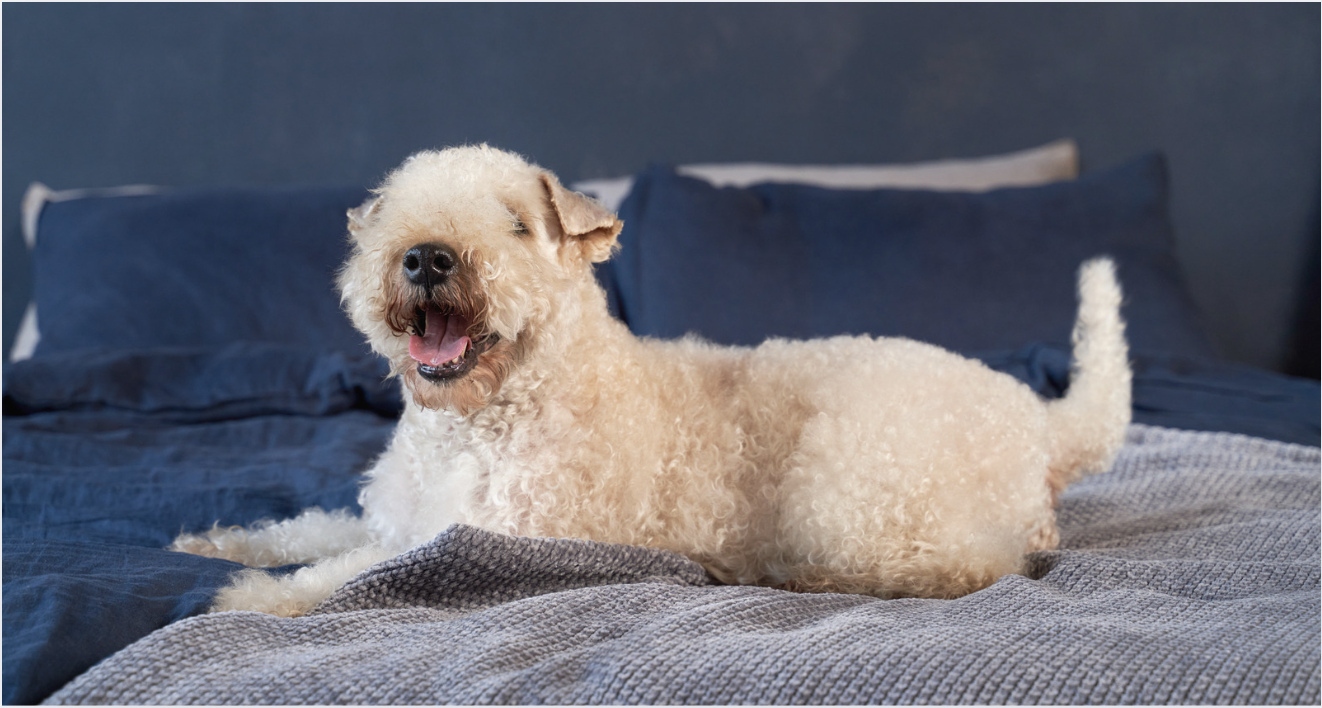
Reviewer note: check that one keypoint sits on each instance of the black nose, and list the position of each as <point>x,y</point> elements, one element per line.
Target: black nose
<point>429,264</point>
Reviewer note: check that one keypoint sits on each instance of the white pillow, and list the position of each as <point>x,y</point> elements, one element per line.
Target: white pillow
<point>1053,162</point>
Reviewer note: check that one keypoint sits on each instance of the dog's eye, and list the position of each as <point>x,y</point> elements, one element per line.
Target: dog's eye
<point>519,228</point>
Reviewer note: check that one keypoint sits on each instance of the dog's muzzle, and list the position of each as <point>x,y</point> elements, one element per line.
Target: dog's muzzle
<point>440,340</point>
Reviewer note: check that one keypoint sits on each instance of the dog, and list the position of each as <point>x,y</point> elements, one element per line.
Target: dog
<point>880,466</point>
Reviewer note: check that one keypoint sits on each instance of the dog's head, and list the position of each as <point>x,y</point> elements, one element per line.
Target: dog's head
<point>458,262</point>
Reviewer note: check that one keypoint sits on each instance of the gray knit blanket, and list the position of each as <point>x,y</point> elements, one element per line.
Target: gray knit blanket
<point>1189,573</point>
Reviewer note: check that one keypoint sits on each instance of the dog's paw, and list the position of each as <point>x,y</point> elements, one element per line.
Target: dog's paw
<point>199,545</point>
<point>257,591</point>
<point>297,593</point>
<point>233,543</point>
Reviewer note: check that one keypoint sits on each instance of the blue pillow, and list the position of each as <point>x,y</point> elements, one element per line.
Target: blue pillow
<point>972,272</point>
<point>194,268</point>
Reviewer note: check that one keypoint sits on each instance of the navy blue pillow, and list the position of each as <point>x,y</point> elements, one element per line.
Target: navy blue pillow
<point>194,268</point>
<point>967,271</point>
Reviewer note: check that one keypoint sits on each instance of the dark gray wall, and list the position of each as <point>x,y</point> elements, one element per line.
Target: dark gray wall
<point>98,95</point>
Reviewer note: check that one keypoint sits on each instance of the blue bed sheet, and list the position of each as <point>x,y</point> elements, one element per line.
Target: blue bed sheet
<point>108,456</point>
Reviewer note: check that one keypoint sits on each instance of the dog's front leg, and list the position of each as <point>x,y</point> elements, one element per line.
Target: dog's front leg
<point>306,538</point>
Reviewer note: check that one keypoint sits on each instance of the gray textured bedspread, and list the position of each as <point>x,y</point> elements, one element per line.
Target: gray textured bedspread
<point>1187,574</point>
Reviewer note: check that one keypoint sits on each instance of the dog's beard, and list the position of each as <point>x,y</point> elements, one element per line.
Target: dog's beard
<point>465,394</point>
<point>455,362</point>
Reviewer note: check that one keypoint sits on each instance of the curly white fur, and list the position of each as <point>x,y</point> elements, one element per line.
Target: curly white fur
<point>880,466</point>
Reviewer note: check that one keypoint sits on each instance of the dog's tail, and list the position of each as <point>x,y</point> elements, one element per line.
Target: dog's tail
<point>1089,422</point>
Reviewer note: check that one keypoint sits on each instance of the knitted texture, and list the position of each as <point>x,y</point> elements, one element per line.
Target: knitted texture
<point>1189,573</point>
<point>466,569</point>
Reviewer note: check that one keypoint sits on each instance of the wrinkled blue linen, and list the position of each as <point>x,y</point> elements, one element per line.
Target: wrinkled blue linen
<point>69,604</point>
<point>107,456</point>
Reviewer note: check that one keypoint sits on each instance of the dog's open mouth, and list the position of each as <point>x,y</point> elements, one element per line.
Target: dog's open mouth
<point>441,344</point>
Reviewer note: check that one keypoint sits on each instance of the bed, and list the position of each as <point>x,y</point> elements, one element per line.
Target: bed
<point>185,363</point>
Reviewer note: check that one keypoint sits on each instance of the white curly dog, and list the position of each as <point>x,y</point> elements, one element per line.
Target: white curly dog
<point>851,464</point>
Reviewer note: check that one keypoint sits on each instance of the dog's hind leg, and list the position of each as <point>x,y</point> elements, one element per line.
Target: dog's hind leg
<point>295,594</point>
<point>308,537</point>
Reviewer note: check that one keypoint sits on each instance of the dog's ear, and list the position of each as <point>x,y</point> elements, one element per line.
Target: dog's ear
<point>359,215</point>
<point>584,220</point>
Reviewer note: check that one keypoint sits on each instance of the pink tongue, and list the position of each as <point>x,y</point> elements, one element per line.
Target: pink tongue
<point>446,339</point>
